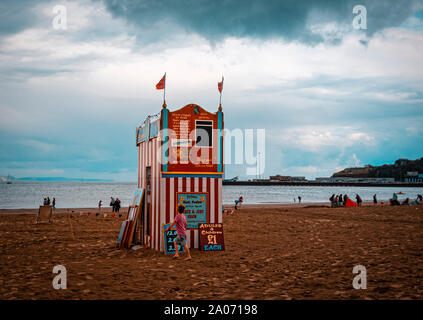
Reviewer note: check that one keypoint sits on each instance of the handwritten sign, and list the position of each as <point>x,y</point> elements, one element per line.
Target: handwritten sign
<point>169,238</point>
<point>195,207</point>
<point>184,153</point>
<point>211,237</point>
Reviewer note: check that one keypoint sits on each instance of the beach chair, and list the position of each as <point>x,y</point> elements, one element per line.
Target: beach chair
<point>44,212</point>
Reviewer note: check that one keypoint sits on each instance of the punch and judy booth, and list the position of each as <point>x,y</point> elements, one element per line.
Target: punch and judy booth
<point>180,161</point>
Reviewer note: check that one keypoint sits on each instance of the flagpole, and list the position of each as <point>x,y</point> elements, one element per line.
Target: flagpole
<point>220,98</point>
<point>164,93</point>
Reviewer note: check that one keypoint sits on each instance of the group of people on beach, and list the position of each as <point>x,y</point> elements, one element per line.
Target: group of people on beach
<point>48,202</point>
<point>115,204</point>
<point>342,200</point>
<point>395,202</point>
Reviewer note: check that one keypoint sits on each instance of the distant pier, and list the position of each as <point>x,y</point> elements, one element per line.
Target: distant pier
<point>321,184</point>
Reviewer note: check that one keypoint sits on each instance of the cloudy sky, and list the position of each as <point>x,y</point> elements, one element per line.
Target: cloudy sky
<point>329,95</point>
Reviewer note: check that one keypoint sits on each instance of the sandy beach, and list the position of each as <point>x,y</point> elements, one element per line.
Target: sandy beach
<point>272,252</point>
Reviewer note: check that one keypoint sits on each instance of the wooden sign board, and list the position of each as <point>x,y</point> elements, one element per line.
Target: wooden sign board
<point>130,226</point>
<point>211,237</point>
<point>168,239</point>
<point>136,200</point>
<point>132,210</point>
<point>193,140</point>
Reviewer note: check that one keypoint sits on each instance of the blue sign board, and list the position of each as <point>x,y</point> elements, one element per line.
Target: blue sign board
<point>195,207</point>
<point>136,200</point>
<point>154,129</point>
<point>147,130</point>
<point>122,229</point>
<point>143,132</point>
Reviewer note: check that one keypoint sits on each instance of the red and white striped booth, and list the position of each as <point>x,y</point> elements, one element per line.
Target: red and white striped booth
<point>180,160</point>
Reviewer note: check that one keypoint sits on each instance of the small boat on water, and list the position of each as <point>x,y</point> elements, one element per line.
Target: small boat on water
<point>8,181</point>
<point>400,192</point>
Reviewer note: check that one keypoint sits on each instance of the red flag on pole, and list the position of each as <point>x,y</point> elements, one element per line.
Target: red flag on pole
<point>162,83</point>
<point>220,86</point>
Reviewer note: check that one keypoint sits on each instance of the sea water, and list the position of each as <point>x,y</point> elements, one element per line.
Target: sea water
<point>28,195</point>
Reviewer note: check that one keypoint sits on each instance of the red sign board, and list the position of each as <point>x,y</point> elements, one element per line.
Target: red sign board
<point>211,237</point>
<point>193,140</point>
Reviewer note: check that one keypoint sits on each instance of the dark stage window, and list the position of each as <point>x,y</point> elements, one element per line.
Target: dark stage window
<point>203,133</point>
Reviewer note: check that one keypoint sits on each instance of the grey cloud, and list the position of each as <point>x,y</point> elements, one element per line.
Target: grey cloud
<point>290,19</point>
<point>19,15</point>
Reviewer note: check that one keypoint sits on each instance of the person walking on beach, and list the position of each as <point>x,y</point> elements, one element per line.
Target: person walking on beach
<point>181,239</point>
<point>54,203</point>
<point>374,199</point>
<point>359,201</point>
<point>99,205</point>
<point>48,201</point>
<point>340,201</point>
<point>117,205</point>
<point>112,203</point>
<point>299,199</point>
<point>332,200</point>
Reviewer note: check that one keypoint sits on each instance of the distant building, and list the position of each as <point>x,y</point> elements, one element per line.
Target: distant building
<point>401,162</point>
<point>286,178</point>
<point>412,173</point>
<point>355,180</point>
<point>414,177</point>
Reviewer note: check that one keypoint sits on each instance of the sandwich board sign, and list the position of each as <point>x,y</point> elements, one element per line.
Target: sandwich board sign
<point>169,237</point>
<point>211,237</point>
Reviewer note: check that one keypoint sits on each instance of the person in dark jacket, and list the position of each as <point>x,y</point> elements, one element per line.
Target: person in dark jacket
<point>358,199</point>
<point>112,203</point>
<point>117,205</point>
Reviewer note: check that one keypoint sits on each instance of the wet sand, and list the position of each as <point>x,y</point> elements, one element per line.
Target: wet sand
<point>272,252</point>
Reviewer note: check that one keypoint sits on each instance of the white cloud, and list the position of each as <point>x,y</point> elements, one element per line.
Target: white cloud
<point>39,145</point>
<point>314,138</point>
